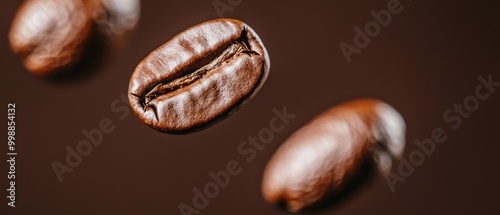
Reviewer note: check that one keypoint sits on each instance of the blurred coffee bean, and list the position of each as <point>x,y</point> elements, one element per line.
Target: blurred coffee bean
<point>321,158</point>
<point>53,35</point>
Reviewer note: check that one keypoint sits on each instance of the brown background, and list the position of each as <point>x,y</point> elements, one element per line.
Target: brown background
<point>427,59</point>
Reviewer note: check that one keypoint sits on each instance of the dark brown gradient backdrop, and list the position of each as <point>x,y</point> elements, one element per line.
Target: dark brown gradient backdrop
<point>427,59</point>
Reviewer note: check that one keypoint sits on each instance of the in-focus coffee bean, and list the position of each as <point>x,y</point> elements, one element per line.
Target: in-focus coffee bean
<point>53,35</point>
<point>320,159</point>
<point>198,77</point>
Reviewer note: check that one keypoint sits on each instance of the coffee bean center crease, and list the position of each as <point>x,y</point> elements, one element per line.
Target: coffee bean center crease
<point>234,50</point>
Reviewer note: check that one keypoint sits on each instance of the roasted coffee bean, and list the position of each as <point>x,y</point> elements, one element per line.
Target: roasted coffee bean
<point>319,159</point>
<point>50,34</point>
<point>53,35</point>
<point>198,77</point>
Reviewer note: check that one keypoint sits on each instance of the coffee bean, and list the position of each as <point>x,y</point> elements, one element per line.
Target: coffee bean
<point>53,35</point>
<point>199,77</point>
<point>49,34</point>
<point>319,159</point>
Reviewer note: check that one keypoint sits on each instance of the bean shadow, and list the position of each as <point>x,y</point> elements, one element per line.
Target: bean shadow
<point>97,51</point>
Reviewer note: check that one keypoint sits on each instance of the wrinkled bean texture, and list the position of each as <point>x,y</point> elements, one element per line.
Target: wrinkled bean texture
<point>199,77</point>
